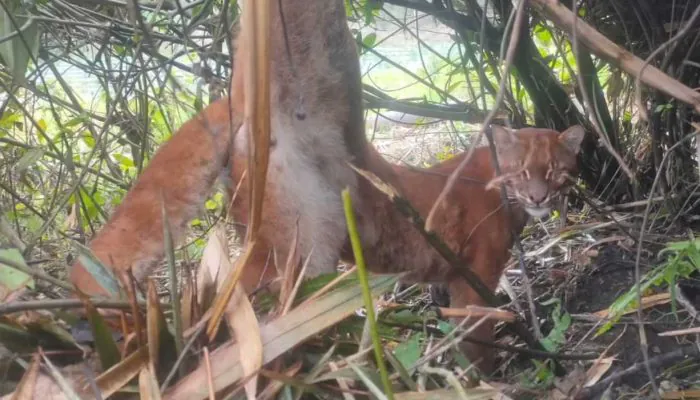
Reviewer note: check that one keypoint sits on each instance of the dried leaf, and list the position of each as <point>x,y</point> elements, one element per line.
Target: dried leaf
<point>342,383</point>
<point>60,380</point>
<point>155,325</point>
<point>119,375</point>
<point>565,386</point>
<point>187,304</point>
<point>279,336</point>
<point>226,290</point>
<point>447,394</point>
<point>597,370</point>
<point>148,385</point>
<point>239,315</point>
<point>25,388</point>
<point>207,367</point>
<point>208,272</point>
<point>172,278</point>
<point>289,273</point>
<point>270,392</point>
<point>681,395</point>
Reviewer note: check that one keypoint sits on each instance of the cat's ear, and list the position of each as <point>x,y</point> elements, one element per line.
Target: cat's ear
<point>503,139</point>
<point>572,138</point>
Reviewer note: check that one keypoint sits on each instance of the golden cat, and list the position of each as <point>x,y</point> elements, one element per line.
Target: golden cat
<point>317,130</point>
<point>535,166</point>
<point>534,163</point>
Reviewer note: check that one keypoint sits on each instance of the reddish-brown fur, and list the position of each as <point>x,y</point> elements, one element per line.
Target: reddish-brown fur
<point>180,176</point>
<point>309,168</point>
<point>316,103</point>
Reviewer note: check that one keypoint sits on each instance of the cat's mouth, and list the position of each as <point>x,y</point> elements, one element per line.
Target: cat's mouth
<point>538,212</point>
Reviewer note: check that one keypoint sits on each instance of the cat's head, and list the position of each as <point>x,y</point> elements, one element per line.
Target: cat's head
<point>536,164</point>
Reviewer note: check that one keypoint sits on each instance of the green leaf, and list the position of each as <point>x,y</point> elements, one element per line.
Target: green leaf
<point>124,161</point>
<point>104,341</point>
<point>453,86</point>
<point>9,119</point>
<point>17,52</point>
<point>543,34</point>
<point>370,379</point>
<point>210,205</point>
<point>29,158</point>
<point>81,119</point>
<point>88,140</point>
<point>102,275</point>
<point>409,351</point>
<point>10,278</point>
<point>369,40</point>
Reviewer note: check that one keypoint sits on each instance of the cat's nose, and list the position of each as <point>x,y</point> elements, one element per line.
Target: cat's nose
<point>537,198</point>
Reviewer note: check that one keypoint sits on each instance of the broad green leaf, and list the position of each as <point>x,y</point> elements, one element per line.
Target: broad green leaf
<point>16,338</point>
<point>124,161</point>
<point>409,351</point>
<point>12,279</point>
<point>104,341</point>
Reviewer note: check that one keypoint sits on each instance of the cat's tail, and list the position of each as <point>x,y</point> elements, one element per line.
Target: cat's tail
<point>179,177</point>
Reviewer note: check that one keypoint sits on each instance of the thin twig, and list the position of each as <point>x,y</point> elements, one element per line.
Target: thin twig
<point>52,304</point>
<point>512,46</point>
